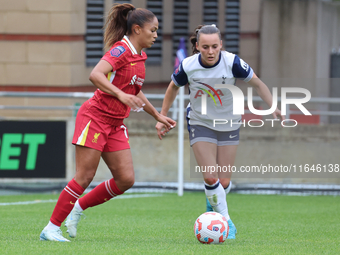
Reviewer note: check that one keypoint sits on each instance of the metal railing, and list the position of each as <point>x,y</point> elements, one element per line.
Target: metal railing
<point>73,95</point>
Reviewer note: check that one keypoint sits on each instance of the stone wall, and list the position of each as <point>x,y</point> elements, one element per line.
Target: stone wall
<point>42,43</point>
<point>297,40</point>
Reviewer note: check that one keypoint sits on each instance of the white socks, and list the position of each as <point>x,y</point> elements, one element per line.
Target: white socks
<point>217,198</point>
<point>227,189</point>
<point>77,206</point>
<point>51,226</point>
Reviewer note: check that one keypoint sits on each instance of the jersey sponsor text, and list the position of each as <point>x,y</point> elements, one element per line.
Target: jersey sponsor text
<point>200,92</point>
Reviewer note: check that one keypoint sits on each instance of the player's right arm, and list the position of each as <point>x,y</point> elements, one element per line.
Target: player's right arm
<point>179,79</point>
<point>98,78</point>
<point>169,98</point>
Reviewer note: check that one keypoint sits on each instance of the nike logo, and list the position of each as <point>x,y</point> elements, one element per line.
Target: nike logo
<point>133,64</point>
<point>232,136</point>
<point>71,203</point>
<point>195,80</point>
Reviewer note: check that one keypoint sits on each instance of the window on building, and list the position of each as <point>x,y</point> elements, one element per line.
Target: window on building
<point>181,23</point>
<point>122,2</point>
<point>94,32</point>
<point>155,52</point>
<point>232,26</point>
<point>210,12</point>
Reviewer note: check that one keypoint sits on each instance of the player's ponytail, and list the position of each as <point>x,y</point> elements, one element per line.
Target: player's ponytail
<point>193,39</point>
<point>203,29</point>
<point>119,22</point>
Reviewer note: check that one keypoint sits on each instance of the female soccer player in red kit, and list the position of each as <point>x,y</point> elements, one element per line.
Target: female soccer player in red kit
<point>99,130</point>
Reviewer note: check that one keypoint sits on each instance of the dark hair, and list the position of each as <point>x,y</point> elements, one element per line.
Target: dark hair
<point>203,29</point>
<point>120,20</point>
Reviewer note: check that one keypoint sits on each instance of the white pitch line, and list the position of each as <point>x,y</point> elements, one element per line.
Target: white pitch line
<point>140,195</point>
<point>55,200</point>
<point>29,202</point>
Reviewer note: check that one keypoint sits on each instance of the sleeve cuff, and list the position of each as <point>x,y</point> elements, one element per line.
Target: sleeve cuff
<point>250,75</point>
<point>109,61</point>
<point>174,80</point>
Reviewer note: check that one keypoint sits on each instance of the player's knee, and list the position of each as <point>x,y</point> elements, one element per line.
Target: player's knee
<point>126,182</point>
<point>130,183</point>
<point>210,181</point>
<point>130,180</point>
<point>84,180</point>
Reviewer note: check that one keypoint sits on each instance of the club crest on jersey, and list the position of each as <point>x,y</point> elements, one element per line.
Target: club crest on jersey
<point>223,77</point>
<point>117,51</point>
<point>217,93</point>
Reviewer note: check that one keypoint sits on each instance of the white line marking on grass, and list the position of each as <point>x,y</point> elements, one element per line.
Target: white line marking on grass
<point>55,200</point>
<point>138,195</point>
<point>30,202</point>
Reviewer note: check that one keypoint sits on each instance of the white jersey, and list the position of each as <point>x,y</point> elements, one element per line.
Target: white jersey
<point>203,79</point>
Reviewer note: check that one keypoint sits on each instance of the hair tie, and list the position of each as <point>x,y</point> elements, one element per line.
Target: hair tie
<point>133,9</point>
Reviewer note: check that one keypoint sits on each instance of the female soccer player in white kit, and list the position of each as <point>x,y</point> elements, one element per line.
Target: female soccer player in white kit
<point>212,144</point>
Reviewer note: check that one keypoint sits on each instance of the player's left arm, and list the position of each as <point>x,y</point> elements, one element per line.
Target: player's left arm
<point>150,109</point>
<point>263,91</point>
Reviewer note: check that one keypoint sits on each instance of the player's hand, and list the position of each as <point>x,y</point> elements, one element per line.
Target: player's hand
<point>277,115</point>
<point>161,130</point>
<point>134,102</point>
<point>164,125</point>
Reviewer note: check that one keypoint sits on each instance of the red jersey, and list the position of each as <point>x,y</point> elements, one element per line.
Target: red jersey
<point>128,74</point>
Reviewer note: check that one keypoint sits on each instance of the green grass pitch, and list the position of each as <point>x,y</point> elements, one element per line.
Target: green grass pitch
<point>266,224</point>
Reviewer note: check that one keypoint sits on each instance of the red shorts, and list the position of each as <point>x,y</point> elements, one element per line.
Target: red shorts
<point>93,133</point>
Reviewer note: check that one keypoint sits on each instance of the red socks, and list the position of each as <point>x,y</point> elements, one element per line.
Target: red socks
<point>66,201</point>
<point>100,194</point>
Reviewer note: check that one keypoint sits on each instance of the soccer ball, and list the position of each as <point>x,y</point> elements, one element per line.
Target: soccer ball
<point>211,228</point>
